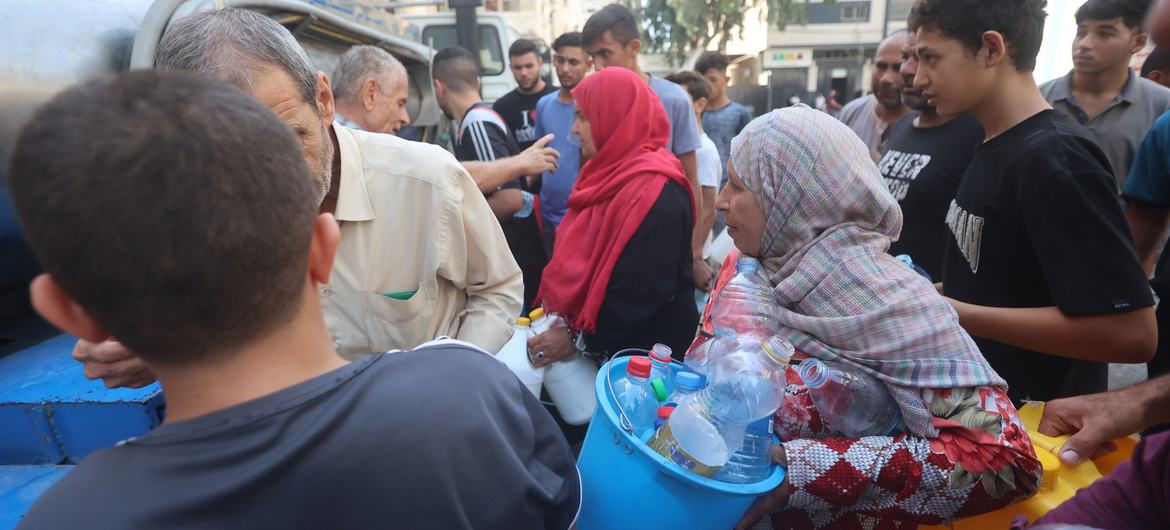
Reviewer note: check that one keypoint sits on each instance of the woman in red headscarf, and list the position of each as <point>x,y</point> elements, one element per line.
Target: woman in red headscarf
<point>621,273</point>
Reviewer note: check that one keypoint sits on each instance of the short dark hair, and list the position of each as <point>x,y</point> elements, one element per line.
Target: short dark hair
<point>712,60</point>
<point>456,68</point>
<point>521,47</point>
<point>694,84</point>
<point>1131,12</point>
<point>1157,60</point>
<point>614,18</point>
<point>1021,22</point>
<point>174,208</point>
<point>571,39</point>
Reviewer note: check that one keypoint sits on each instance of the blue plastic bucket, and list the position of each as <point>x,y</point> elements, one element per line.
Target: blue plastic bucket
<point>626,485</point>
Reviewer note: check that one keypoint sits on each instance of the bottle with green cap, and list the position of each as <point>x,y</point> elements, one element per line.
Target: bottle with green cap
<point>660,366</point>
<point>635,394</point>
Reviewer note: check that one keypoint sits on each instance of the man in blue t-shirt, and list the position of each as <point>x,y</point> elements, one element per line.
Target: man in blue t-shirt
<point>611,37</point>
<point>555,114</point>
<point>724,118</point>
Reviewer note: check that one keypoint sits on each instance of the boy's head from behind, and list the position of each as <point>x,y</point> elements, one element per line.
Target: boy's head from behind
<point>170,211</point>
<point>966,48</point>
<point>698,88</point>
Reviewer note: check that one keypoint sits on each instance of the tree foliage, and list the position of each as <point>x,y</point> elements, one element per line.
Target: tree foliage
<point>677,27</point>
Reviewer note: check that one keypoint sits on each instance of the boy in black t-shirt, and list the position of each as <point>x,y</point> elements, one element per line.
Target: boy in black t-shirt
<point>518,107</point>
<point>1040,265</point>
<point>926,155</point>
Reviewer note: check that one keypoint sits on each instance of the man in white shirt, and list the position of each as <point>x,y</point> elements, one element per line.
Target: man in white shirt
<point>421,254</point>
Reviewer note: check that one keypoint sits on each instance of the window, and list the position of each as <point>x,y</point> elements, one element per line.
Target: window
<point>491,54</point>
<point>835,12</point>
<point>899,9</point>
<point>855,12</point>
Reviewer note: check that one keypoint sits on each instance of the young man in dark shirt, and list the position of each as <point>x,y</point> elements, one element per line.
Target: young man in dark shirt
<point>209,269</point>
<point>926,155</point>
<point>483,135</point>
<point>518,107</point>
<point>1040,266</point>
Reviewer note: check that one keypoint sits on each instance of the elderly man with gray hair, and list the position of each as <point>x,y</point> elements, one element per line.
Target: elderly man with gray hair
<point>421,254</point>
<point>371,89</point>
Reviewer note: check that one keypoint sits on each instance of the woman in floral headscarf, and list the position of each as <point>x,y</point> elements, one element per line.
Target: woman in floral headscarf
<point>805,198</point>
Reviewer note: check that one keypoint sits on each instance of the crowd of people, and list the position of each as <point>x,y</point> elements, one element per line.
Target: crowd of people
<point>266,235</point>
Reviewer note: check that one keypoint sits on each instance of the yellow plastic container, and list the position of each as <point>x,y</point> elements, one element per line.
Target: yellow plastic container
<point>1059,483</point>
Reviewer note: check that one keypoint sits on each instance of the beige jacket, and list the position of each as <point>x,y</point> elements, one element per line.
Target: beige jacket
<point>421,254</point>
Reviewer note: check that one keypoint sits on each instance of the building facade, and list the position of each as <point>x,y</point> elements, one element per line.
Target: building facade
<point>833,49</point>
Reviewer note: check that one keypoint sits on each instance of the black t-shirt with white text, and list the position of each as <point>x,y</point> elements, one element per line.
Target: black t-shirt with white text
<point>1036,223</point>
<point>923,168</point>
<point>519,112</point>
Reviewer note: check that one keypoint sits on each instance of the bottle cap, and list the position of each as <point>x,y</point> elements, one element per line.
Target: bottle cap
<point>661,353</point>
<point>689,381</point>
<point>779,349</point>
<point>659,390</point>
<point>639,367</point>
<point>747,265</point>
<point>535,314</point>
<point>523,322</point>
<point>814,372</point>
<point>665,411</point>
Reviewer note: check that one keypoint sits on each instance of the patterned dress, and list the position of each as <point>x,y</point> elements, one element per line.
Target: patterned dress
<point>981,461</point>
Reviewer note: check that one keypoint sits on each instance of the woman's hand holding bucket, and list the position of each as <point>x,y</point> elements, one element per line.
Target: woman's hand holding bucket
<point>766,504</point>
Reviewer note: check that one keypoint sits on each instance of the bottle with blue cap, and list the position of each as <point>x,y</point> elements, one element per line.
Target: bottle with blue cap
<point>854,402</point>
<point>685,383</point>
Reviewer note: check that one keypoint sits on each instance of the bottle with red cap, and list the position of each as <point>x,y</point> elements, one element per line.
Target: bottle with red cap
<point>635,395</point>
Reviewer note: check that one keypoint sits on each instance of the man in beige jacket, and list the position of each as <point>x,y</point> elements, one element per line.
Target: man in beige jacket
<point>421,254</point>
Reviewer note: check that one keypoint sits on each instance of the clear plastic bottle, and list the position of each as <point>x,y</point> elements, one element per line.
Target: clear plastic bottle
<point>569,382</point>
<point>514,355</point>
<point>753,461</point>
<point>852,401</point>
<point>744,311</point>
<point>746,304</point>
<point>685,383</point>
<point>709,425</point>
<point>634,395</point>
<point>660,357</point>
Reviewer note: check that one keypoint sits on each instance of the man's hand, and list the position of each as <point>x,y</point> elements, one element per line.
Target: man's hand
<point>115,365</point>
<point>551,346</point>
<point>1093,421</point>
<point>539,158</point>
<point>767,503</point>
<point>703,275</point>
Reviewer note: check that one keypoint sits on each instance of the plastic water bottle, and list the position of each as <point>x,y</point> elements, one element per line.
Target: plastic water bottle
<point>685,383</point>
<point>660,356</point>
<point>514,355</point>
<point>909,261</point>
<point>746,304</point>
<point>852,401</point>
<point>753,461</point>
<point>569,382</point>
<point>634,395</point>
<point>709,425</point>
<point>698,359</point>
<point>663,415</point>
<point>744,310</point>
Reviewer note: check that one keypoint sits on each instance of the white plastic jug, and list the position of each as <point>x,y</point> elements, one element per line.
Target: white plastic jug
<point>514,355</point>
<point>569,382</point>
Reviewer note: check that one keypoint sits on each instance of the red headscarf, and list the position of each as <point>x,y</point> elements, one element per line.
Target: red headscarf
<point>614,191</point>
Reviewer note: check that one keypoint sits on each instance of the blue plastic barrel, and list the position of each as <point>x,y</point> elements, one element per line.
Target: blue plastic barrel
<point>625,484</point>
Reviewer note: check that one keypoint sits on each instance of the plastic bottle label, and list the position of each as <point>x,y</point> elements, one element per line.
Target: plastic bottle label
<point>666,445</point>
